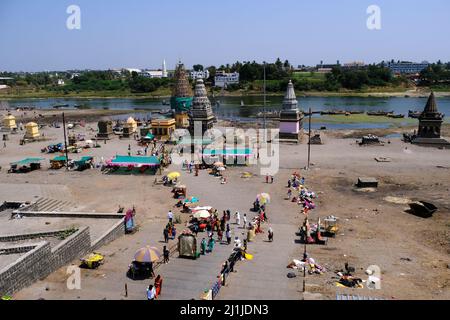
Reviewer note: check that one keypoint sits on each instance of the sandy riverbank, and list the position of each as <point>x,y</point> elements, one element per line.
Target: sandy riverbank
<point>412,252</point>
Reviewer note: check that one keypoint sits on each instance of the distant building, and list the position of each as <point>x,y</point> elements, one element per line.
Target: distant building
<point>223,79</point>
<point>61,82</point>
<point>324,70</point>
<point>354,65</point>
<point>405,67</point>
<point>327,68</point>
<point>160,73</point>
<point>131,70</point>
<point>199,74</point>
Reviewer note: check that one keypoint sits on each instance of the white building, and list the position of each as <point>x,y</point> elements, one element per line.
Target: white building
<point>161,73</point>
<point>131,70</point>
<point>199,74</point>
<point>223,79</point>
<point>61,82</point>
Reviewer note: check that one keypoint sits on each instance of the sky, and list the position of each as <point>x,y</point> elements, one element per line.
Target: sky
<point>141,33</point>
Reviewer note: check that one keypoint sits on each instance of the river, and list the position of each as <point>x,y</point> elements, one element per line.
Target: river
<point>230,108</point>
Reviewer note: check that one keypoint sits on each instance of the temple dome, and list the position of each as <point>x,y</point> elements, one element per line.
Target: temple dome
<point>290,100</point>
<point>431,106</point>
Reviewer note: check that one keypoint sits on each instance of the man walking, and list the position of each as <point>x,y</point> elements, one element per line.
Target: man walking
<point>166,255</point>
<point>228,235</point>
<point>166,235</point>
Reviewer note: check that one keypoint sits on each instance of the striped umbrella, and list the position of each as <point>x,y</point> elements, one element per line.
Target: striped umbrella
<point>263,198</point>
<point>147,254</point>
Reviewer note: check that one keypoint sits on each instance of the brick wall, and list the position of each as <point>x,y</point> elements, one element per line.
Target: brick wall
<point>116,231</point>
<point>27,236</point>
<point>39,260</point>
<point>32,266</point>
<point>74,247</point>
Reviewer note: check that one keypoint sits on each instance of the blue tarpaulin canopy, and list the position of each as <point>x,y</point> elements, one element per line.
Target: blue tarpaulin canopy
<point>134,161</point>
<point>228,152</point>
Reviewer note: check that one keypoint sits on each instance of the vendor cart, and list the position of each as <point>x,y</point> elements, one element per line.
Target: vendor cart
<point>187,246</point>
<point>330,226</point>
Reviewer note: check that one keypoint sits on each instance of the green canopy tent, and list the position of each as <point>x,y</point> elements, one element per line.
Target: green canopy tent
<point>25,165</point>
<point>149,136</point>
<point>27,161</point>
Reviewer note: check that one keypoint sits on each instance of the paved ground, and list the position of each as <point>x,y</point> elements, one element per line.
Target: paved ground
<point>265,277</point>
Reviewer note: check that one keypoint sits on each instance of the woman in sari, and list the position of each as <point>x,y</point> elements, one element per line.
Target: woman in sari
<point>158,285</point>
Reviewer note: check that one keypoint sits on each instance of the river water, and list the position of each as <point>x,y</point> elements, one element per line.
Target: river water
<point>246,108</point>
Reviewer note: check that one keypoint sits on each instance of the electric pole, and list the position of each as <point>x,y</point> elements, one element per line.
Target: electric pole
<point>309,139</point>
<point>65,141</point>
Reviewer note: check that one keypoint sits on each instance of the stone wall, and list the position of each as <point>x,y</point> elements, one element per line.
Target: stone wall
<point>74,247</point>
<point>33,265</point>
<point>116,231</point>
<point>28,236</point>
<point>39,259</point>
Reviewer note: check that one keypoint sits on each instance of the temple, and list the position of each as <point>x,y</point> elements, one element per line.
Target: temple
<point>201,111</point>
<point>290,117</point>
<point>430,122</point>
<point>181,100</point>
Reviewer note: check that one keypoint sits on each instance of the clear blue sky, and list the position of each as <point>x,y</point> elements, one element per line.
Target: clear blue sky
<point>138,33</point>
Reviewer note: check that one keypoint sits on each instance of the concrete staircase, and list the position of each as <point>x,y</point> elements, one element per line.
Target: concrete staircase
<point>50,205</point>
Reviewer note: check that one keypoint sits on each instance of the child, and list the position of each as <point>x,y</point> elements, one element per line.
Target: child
<point>270,234</point>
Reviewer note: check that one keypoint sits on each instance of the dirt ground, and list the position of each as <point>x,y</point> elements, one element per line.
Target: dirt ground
<point>412,252</point>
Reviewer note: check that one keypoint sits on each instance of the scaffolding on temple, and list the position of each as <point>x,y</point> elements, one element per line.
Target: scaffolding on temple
<point>181,100</point>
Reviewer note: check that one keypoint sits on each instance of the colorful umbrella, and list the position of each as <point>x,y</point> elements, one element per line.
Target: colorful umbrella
<point>173,175</point>
<point>263,198</point>
<point>147,254</point>
<point>246,175</point>
<point>202,214</point>
<point>207,208</point>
